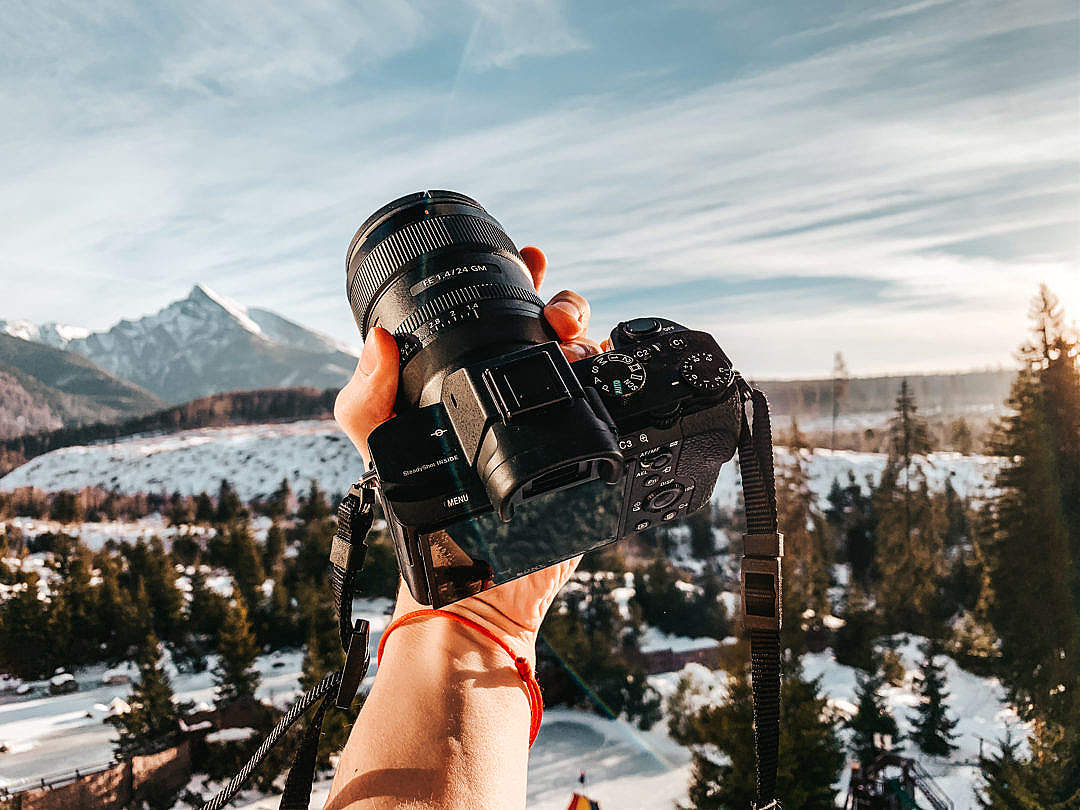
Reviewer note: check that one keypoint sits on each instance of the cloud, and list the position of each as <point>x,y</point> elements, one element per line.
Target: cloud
<point>893,189</point>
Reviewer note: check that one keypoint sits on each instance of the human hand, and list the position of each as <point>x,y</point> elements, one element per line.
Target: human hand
<point>515,610</point>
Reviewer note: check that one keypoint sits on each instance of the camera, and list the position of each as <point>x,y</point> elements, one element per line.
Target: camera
<point>503,457</point>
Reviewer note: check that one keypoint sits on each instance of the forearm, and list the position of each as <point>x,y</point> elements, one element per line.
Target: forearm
<point>445,726</point>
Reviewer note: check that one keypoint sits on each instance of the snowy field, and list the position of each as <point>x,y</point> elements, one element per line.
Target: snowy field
<point>625,767</point>
<point>47,734</point>
<point>254,458</point>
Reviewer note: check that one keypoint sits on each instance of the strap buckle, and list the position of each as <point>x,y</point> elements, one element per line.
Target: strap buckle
<point>761,581</point>
<point>773,805</point>
<point>357,660</point>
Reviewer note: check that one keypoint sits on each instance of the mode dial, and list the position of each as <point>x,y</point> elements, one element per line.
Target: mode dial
<point>617,374</point>
<point>706,372</point>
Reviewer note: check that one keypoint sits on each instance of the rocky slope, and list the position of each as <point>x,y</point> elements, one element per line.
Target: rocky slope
<point>205,344</point>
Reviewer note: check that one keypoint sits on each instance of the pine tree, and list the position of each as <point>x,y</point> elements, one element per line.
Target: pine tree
<point>1045,780</point>
<point>205,609</point>
<point>26,646</point>
<point>314,506</point>
<point>1034,556</point>
<point>66,507</point>
<point>229,506</point>
<point>909,547</point>
<point>180,510</point>
<point>839,391</point>
<point>245,563</point>
<point>810,756</point>
<point>153,721</point>
<point>204,509</point>
<point>850,513</point>
<point>76,632</point>
<point>235,676</point>
<point>872,721</point>
<point>807,556</point>
<point>280,501</point>
<point>934,729</point>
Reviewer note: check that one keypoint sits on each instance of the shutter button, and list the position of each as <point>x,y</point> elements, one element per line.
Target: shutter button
<point>637,328</point>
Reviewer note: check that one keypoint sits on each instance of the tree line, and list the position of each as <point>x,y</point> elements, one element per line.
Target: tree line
<point>233,408</point>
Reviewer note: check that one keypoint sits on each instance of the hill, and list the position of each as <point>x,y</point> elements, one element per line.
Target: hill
<point>234,408</point>
<point>42,387</point>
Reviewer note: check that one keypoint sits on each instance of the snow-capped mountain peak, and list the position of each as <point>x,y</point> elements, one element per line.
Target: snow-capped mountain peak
<point>204,343</point>
<point>57,335</point>
<point>202,295</point>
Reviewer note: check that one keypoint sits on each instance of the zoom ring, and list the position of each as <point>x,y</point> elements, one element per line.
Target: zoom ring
<point>465,295</point>
<point>402,246</point>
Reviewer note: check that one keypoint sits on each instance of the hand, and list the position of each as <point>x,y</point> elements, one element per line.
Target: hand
<point>514,610</point>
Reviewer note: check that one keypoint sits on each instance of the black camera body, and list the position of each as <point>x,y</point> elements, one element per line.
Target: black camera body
<point>669,397</point>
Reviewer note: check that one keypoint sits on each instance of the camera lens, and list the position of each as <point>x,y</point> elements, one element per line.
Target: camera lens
<point>435,264</point>
<point>438,272</point>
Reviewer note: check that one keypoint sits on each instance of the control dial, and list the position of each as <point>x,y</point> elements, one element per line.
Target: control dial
<point>617,374</point>
<point>706,372</point>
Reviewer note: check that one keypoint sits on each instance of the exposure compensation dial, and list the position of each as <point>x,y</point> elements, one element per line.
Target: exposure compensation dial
<point>617,375</point>
<point>705,372</point>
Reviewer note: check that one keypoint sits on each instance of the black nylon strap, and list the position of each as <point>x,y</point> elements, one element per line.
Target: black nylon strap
<point>763,549</point>
<point>297,792</point>
<point>346,559</point>
<point>327,686</point>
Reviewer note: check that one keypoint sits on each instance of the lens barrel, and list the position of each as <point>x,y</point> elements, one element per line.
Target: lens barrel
<point>436,263</point>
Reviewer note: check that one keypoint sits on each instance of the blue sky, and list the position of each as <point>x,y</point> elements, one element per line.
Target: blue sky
<point>888,179</point>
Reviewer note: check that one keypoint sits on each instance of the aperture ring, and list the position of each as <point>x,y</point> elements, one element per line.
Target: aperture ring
<point>403,246</point>
<point>464,295</point>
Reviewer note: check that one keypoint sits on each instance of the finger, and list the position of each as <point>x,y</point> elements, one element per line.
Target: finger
<point>605,344</point>
<point>580,348</point>
<point>367,399</point>
<point>536,261</point>
<point>568,314</point>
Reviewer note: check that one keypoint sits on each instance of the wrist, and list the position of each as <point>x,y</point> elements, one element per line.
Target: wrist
<point>456,639</point>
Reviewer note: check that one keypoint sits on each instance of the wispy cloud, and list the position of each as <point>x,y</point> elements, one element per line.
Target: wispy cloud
<point>892,181</point>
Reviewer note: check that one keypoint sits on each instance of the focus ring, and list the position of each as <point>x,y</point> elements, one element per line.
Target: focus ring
<point>402,246</point>
<point>465,295</point>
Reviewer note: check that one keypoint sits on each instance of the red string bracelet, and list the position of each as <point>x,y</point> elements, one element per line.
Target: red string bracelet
<point>532,688</point>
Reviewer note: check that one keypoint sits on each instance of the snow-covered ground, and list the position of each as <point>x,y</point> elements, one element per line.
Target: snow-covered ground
<point>47,734</point>
<point>625,767</point>
<point>254,458</point>
<point>633,770</point>
<point>978,704</point>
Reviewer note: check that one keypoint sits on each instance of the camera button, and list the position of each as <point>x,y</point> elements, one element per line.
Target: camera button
<point>657,462</point>
<point>640,327</point>
<point>677,343</point>
<point>671,515</point>
<point>663,498</point>
<point>652,481</point>
<point>642,525</point>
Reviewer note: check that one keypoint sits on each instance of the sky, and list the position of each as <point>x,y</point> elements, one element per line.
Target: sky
<point>892,180</point>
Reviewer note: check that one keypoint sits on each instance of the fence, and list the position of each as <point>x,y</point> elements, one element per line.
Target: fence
<point>115,785</point>
<point>108,787</point>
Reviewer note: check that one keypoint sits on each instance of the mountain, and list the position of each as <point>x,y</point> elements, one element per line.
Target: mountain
<point>43,388</point>
<point>206,344</point>
<point>53,334</point>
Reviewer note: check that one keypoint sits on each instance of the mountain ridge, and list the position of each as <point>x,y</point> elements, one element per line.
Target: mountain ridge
<point>43,388</point>
<point>204,344</point>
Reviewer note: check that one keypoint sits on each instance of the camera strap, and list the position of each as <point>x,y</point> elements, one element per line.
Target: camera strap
<point>339,687</point>
<point>762,550</point>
